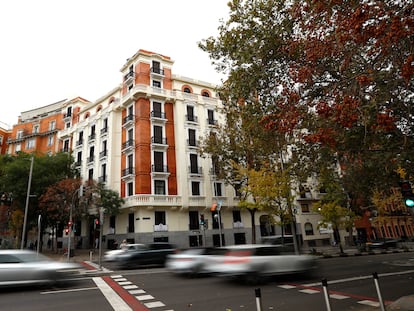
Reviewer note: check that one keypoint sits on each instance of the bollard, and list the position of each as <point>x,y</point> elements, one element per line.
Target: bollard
<point>258,299</point>
<point>375,276</point>
<point>90,255</point>
<point>326,294</point>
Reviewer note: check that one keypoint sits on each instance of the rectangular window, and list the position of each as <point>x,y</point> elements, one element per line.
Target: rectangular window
<point>218,189</point>
<point>1,140</point>
<point>194,163</point>
<point>112,221</point>
<point>30,143</point>
<point>194,220</point>
<point>130,189</point>
<point>192,137</point>
<point>210,116</point>
<point>157,109</point>
<point>156,67</point>
<point>158,161</point>
<point>195,188</point>
<point>35,129</point>
<point>18,148</point>
<point>103,173</point>
<point>90,174</point>
<point>157,134</point>
<point>131,222</point>
<point>156,84</point>
<point>19,134</point>
<point>190,113</point>
<point>50,141</point>
<point>52,125</point>
<point>236,216</point>
<point>159,187</point>
<point>160,218</point>
<point>305,208</point>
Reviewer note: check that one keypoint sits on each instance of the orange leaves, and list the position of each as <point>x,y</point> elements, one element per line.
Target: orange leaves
<point>407,70</point>
<point>385,122</point>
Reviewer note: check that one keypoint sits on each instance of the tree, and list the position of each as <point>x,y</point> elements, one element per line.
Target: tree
<point>14,173</point>
<point>332,78</point>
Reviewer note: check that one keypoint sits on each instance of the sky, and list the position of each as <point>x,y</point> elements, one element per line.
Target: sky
<point>59,49</point>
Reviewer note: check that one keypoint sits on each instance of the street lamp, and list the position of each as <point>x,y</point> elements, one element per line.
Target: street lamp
<point>26,209</point>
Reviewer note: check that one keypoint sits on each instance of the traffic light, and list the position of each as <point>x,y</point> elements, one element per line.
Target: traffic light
<point>96,223</point>
<point>407,193</point>
<point>66,231</point>
<point>202,219</point>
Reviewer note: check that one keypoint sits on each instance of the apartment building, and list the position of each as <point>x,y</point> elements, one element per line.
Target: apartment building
<point>141,139</point>
<point>37,129</point>
<point>5,133</point>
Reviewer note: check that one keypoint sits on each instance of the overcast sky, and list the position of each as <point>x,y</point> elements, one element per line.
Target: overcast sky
<point>57,49</point>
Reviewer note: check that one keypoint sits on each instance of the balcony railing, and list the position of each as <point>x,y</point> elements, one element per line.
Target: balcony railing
<point>195,170</point>
<point>158,140</point>
<point>128,144</point>
<point>191,118</point>
<point>129,77</point>
<point>157,71</point>
<point>90,159</point>
<point>128,171</point>
<point>159,168</point>
<point>152,200</point>
<point>161,227</point>
<point>104,130</point>
<point>79,142</point>
<point>128,119</point>
<point>92,136</point>
<point>192,142</point>
<point>102,179</point>
<point>158,114</point>
<point>103,154</point>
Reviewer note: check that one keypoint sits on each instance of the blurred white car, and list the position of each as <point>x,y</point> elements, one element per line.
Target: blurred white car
<point>191,261</point>
<point>256,262</point>
<point>113,255</point>
<point>24,267</point>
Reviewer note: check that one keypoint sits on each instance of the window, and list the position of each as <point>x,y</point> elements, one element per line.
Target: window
<point>190,114</point>
<point>130,189</point>
<point>69,112</point>
<point>158,161</point>
<point>91,153</point>
<point>35,129</point>
<point>156,84</point>
<point>305,208</point>
<point>90,174</point>
<point>195,188</point>
<point>92,136</point>
<point>194,163</point>
<point>192,137</point>
<point>79,157</point>
<point>18,148</point>
<point>131,222</point>
<point>112,223</point>
<point>50,142</point>
<point>159,218</point>
<point>1,140</point>
<point>157,109</point>
<point>156,67</point>
<point>157,134</point>
<point>210,117</point>
<point>187,90</point>
<point>103,173</point>
<point>159,187</point>
<point>52,125</point>
<point>236,216</point>
<point>68,125</point>
<point>80,140</point>
<point>194,220</point>
<point>30,143</point>
<point>308,228</point>
<point>105,125</point>
<point>65,145</point>
<point>205,94</point>
<point>218,191</point>
<point>19,134</point>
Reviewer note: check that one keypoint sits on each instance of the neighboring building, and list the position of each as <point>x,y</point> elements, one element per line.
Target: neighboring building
<point>37,129</point>
<point>5,133</point>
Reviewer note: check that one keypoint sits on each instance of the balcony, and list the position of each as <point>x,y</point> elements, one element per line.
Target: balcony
<point>157,72</point>
<point>159,143</point>
<point>90,159</point>
<point>212,122</point>
<point>128,145</point>
<point>79,143</point>
<point>128,120</point>
<point>77,163</point>
<point>160,228</point>
<point>192,143</point>
<point>128,172</point>
<point>103,154</point>
<point>143,90</point>
<point>170,201</point>
<point>191,118</point>
<point>195,170</point>
<point>102,179</point>
<point>67,117</point>
<point>129,77</point>
<point>91,137</point>
<point>159,168</point>
<point>104,130</point>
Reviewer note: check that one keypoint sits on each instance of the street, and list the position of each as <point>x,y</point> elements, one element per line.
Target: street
<point>350,285</point>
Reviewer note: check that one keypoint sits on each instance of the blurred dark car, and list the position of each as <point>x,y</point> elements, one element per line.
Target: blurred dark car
<point>113,255</point>
<point>383,243</point>
<point>148,254</point>
<point>193,261</point>
<point>256,262</point>
<point>24,267</point>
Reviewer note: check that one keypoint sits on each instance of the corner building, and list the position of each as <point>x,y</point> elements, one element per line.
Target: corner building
<point>142,140</point>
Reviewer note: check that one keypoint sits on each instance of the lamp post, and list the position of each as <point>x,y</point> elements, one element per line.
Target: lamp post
<point>26,209</point>
<point>70,224</point>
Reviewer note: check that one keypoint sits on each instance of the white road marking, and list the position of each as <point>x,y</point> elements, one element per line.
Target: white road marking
<point>111,296</point>
<point>144,297</point>
<point>369,303</point>
<point>287,286</point>
<point>155,304</point>
<point>310,291</point>
<point>67,290</point>
<point>336,296</point>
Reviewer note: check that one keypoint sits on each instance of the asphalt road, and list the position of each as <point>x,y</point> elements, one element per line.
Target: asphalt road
<point>349,282</point>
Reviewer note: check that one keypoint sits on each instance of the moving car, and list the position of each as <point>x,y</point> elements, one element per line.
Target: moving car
<point>384,243</point>
<point>193,261</point>
<point>148,254</point>
<point>256,262</point>
<point>113,255</point>
<point>25,267</point>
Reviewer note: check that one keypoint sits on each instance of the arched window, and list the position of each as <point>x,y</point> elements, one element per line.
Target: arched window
<point>205,93</point>
<point>308,228</point>
<point>187,90</point>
